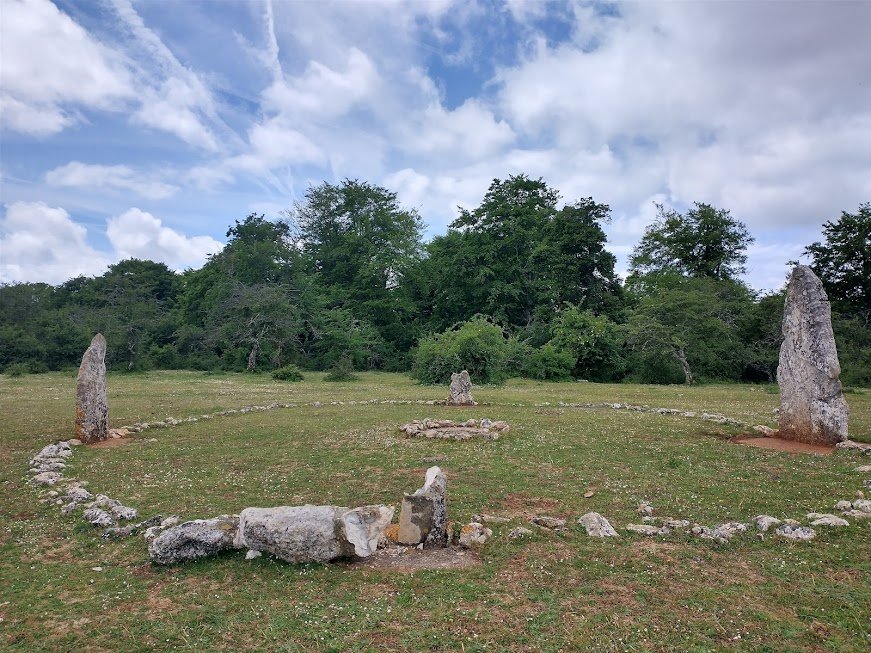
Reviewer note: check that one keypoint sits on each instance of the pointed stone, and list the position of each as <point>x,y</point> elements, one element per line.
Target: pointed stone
<point>461,390</point>
<point>812,405</point>
<point>423,516</point>
<point>92,406</point>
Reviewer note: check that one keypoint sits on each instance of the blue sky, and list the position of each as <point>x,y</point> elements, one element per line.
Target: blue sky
<point>146,128</point>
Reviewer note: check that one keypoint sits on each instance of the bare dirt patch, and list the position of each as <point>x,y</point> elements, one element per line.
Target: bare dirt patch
<point>788,446</point>
<point>111,443</point>
<point>410,559</point>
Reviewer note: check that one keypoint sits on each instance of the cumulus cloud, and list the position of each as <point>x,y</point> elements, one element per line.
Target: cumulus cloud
<point>43,243</point>
<point>50,66</point>
<point>121,177</point>
<point>138,234</point>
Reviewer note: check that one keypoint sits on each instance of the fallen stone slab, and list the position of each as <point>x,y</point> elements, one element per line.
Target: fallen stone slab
<point>596,525</point>
<point>194,539</point>
<point>313,533</point>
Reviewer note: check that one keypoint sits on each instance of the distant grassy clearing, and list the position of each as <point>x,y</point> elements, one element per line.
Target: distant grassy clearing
<point>548,593</point>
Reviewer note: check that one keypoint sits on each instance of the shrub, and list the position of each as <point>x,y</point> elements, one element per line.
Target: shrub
<point>17,369</point>
<point>341,370</point>
<point>478,346</point>
<point>287,373</point>
<point>547,363</point>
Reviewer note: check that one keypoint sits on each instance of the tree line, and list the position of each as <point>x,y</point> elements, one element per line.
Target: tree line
<point>520,285</point>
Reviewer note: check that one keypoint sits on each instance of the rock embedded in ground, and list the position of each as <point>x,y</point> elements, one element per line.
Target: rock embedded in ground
<point>423,516</point>
<point>124,512</point>
<point>489,519</point>
<point>646,529</point>
<point>446,429</point>
<point>862,504</point>
<point>98,517</point>
<point>194,539</point>
<point>645,509</point>
<point>461,390</point>
<point>864,447</point>
<point>843,505</point>
<point>364,526</point>
<point>474,534</point>
<point>46,478</point>
<point>92,405</point>
<point>518,532</point>
<point>78,494</point>
<point>252,554</point>
<point>857,514</point>
<point>863,469</point>
<point>829,520</point>
<point>796,533</point>
<point>812,404</point>
<point>596,525</point>
<point>676,524</point>
<point>554,523</point>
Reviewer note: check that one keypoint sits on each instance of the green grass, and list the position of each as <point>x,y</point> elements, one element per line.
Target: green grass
<point>550,592</point>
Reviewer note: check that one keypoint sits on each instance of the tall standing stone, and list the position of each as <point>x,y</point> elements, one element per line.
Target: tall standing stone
<point>461,390</point>
<point>92,407</point>
<point>424,516</point>
<point>812,406</point>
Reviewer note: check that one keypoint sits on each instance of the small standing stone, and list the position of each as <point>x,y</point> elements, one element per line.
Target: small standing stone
<point>423,516</point>
<point>461,390</point>
<point>92,406</point>
<point>812,405</point>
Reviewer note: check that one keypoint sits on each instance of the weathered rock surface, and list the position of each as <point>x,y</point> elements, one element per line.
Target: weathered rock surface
<point>194,539</point>
<point>447,429</point>
<point>829,520</point>
<point>812,405</point>
<point>92,405</point>
<point>646,529</point>
<point>677,524</point>
<point>313,533</point>
<point>596,525</point>
<point>764,522</point>
<point>98,517</point>
<point>519,532</point>
<point>862,504</point>
<point>461,390</point>
<point>554,523</point>
<point>423,517</point>
<point>797,533</point>
<point>46,478</point>
<point>473,534</point>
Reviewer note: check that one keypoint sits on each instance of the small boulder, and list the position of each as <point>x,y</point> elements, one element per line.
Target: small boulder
<point>98,517</point>
<point>829,520</point>
<point>194,539</point>
<point>676,524</point>
<point>596,525</point>
<point>646,529</point>
<point>554,523</point>
<point>46,478</point>
<point>519,532</point>
<point>764,522</point>
<point>473,534</point>
<point>645,509</point>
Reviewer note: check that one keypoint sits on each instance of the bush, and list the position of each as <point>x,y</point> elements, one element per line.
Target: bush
<point>287,373</point>
<point>17,369</point>
<point>547,363</point>
<point>478,346</point>
<point>341,370</point>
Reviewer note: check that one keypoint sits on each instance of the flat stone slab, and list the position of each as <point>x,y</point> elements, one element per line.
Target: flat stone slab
<point>411,559</point>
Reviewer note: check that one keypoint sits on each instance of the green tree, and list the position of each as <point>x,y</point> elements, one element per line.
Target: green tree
<point>843,261</point>
<point>705,242</point>
<point>592,340</point>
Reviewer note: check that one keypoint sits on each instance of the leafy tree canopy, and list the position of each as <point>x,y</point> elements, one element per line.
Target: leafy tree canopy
<point>705,242</point>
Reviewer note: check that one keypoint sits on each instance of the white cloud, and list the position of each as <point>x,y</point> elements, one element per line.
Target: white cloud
<point>51,63</point>
<point>138,234</point>
<point>43,243</point>
<point>121,177</point>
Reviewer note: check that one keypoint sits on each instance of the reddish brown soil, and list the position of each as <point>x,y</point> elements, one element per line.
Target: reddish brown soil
<point>789,446</point>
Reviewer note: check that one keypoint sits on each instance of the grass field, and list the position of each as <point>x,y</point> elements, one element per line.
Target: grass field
<point>550,592</point>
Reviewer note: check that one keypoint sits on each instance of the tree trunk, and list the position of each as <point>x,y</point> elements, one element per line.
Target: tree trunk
<point>682,359</point>
<point>252,358</point>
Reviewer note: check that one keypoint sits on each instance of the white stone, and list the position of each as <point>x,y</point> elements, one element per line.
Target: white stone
<point>473,534</point>
<point>596,525</point>
<point>796,533</point>
<point>423,516</point>
<point>194,539</point>
<point>829,520</point>
<point>364,526</point>
<point>843,505</point>
<point>646,529</point>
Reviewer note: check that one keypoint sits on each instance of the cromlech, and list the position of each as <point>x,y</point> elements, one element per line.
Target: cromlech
<point>92,407</point>
<point>461,390</point>
<point>812,405</point>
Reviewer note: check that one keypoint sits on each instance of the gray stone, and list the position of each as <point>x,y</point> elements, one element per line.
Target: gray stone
<point>646,529</point>
<point>519,532</point>
<point>67,508</point>
<point>677,524</point>
<point>829,520</point>
<point>843,505</point>
<point>857,514</point>
<point>864,447</point>
<point>796,533</point>
<point>46,478</point>
<point>596,525</point>
<point>862,504</point>
<point>645,509</point>
<point>490,519</point>
<point>79,494</point>
<point>122,531</point>
<point>473,534</point>
<point>92,405</point>
<point>461,390</point>
<point>98,517</point>
<point>252,554</point>
<point>194,539</point>
<point>423,517</point>
<point>812,405</point>
<point>863,469</point>
<point>764,522</point>
<point>555,523</point>
<point>728,530</point>
<point>123,512</point>
<point>313,533</point>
